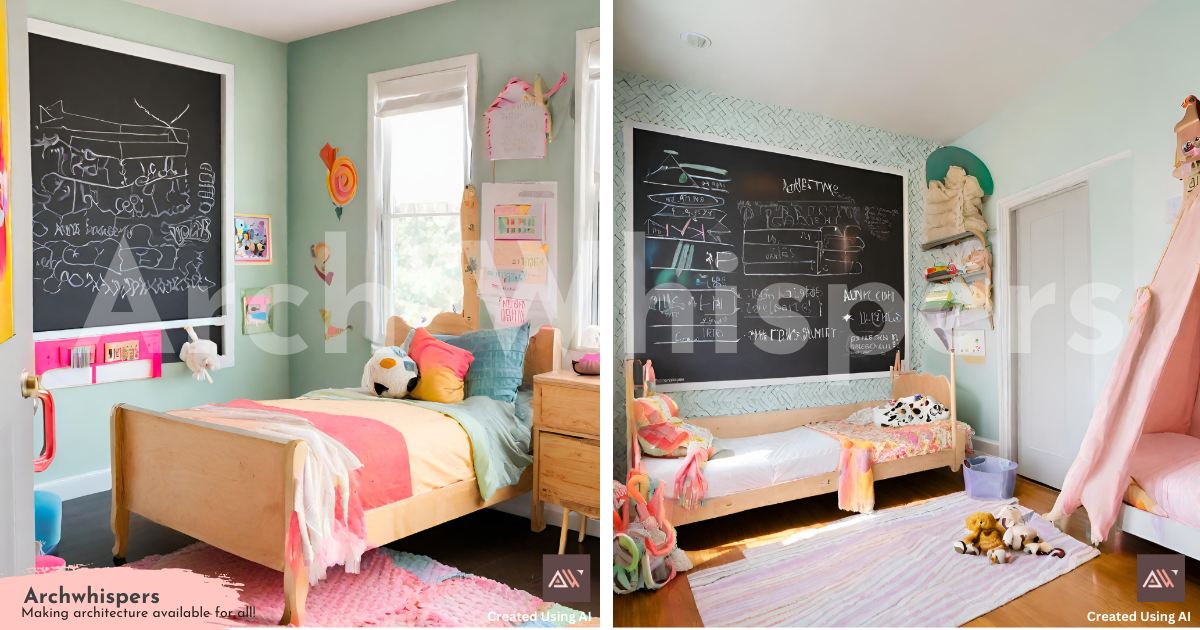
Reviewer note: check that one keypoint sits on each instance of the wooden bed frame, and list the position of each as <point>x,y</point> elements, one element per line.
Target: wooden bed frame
<point>905,384</point>
<point>233,488</point>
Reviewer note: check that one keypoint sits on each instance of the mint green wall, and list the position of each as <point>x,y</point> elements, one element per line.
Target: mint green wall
<point>260,182</point>
<point>327,102</point>
<point>1123,94</point>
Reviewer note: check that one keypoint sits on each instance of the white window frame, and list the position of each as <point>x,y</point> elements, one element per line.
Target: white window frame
<point>587,192</point>
<point>378,274</point>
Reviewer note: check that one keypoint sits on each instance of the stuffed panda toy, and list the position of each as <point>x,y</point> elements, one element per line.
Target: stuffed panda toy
<point>390,373</point>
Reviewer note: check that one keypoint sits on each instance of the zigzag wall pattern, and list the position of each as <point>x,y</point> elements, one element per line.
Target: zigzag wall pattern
<point>641,99</point>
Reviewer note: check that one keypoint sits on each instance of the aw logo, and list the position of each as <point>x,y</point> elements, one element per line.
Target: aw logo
<point>566,578</point>
<point>1160,577</point>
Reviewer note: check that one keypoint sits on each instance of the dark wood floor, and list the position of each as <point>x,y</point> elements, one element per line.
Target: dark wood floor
<point>1103,585</point>
<point>486,543</point>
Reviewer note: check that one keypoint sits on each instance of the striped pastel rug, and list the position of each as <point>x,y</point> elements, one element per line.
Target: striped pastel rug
<point>894,567</point>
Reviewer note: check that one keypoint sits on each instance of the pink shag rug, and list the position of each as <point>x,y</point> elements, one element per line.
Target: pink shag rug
<point>393,589</point>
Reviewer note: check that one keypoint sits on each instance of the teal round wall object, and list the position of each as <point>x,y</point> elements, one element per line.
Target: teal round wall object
<point>939,162</point>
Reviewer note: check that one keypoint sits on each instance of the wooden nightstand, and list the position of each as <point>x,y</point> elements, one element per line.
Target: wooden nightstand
<point>566,448</point>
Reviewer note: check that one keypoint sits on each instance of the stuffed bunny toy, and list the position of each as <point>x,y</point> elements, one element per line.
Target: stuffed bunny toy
<point>201,356</point>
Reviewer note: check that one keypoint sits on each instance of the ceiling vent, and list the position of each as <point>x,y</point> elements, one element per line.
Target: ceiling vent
<point>695,40</point>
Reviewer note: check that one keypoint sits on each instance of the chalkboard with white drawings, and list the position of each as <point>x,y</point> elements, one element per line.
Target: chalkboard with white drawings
<point>753,265</point>
<point>127,176</point>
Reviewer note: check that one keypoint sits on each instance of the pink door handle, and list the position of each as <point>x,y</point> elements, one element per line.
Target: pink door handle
<point>49,434</point>
<point>31,386</point>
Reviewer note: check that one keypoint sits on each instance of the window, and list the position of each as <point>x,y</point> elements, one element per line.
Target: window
<point>586,283</point>
<point>421,129</point>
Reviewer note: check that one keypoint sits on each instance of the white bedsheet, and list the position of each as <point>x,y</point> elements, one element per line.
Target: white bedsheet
<point>759,461</point>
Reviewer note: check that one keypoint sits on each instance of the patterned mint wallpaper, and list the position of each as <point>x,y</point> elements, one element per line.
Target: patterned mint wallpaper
<point>641,99</point>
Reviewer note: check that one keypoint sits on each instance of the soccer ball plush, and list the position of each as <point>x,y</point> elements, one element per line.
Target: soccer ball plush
<point>390,373</point>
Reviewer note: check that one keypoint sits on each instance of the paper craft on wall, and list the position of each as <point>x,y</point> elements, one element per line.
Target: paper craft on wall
<point>341,180</point>
<point>252,245</point>
<point>320,252</point>
<point>256,311</point>
<point>331,331</point>
<point>968,344</point>
<point>518,121</point>
<point>512,313</point>
<point>519,246</point>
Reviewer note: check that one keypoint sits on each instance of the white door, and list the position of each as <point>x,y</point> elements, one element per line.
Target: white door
<point>16,354</point>
<point>1054,398</point>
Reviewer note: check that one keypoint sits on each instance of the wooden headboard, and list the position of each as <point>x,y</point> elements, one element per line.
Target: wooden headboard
<point>751,424</point>
<point>912,383</point>
<point>544,353</point>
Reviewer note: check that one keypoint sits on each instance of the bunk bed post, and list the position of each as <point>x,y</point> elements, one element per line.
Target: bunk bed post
<point>956,463</point>
<point>629,421</point>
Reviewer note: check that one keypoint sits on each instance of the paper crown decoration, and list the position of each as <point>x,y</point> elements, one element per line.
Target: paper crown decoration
<point>342,178</point>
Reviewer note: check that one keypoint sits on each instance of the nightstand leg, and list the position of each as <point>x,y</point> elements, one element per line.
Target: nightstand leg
<point>582,527</point>
<point>562,538</point>
<point>537,513</point>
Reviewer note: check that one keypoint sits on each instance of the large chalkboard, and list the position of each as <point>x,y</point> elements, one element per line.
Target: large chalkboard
<point>755,265</point>
<point>127,180</point>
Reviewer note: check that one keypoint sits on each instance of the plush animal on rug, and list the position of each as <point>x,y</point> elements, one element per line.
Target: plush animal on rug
<point>1021,537</point>
<point>918,409</point>
<point>390,373</point>
<point>985,537</point>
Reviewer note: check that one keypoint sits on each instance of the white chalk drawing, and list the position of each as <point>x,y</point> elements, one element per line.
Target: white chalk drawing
<point>800,238</point>
<point>115,198</point>
<point>692,262</point>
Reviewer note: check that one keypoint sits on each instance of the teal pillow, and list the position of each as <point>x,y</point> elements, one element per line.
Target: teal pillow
<point>499,363</point>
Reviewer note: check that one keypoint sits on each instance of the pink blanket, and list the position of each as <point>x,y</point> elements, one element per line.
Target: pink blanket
<point>385,477</point>
<point>866,444</point>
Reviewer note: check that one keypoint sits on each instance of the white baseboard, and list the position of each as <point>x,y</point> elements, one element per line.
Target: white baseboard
<point>519,506</point>
<point>986,446</point>
<point>79,485</point>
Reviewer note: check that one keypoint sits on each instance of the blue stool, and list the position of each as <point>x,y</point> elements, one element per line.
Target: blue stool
<point>47,519</point>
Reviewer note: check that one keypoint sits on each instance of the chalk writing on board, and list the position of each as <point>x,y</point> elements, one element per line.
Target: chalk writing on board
<point>879,221</point>
<point>756,264</point>
<point>113,203</point>
<point>694,263</point>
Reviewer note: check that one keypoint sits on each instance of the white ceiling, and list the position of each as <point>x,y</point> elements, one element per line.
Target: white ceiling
<point>287,20</point>
<point>933,69</point>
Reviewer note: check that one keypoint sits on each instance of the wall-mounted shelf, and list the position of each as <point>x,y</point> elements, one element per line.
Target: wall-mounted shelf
<point>968,277</point>
<point>942,242</point>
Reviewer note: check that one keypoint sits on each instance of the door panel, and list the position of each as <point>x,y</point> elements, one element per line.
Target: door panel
<point>17,443</point>
<point>1053,380</point>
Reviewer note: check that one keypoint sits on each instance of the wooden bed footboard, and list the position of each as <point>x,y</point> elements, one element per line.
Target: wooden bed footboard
<point>235,489</point>
<point>228,487</point>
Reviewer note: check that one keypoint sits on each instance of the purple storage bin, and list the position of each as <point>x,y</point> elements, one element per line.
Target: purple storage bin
<point>989,477</point>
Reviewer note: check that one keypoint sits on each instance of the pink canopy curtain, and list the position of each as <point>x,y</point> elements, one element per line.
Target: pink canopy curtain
<point>1152,387</point>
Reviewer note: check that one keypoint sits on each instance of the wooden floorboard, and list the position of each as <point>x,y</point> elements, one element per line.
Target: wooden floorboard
<point>1103,585</point>
<point>487,543</point>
